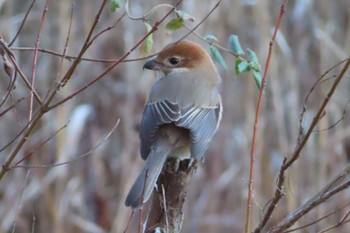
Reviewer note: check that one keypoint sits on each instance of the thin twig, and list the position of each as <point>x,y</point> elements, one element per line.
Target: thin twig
<point>302,143</point>
<point>106,29</point>
<point>44,106</point>
<point>307,207</point>
<point>86,45</point>
<point>12,106</point>
<point>256,123</point>
<point>22,23</point>
<point>64,49</point>
<point>29,154</point>
<point>14,62</point>
<point>335,182</point>
<point>27,131</point>
<point>144,17</point>
<point>35,58</point>
<point>335,123</point>
<point>341,222</point>
<point>317,220</point>
<point>201,22</point>
<point>67,40</point>
<point>315,120</point>
<point>129,221</point>
<point>272,205</point>
<point>215,44</point>
<point>69,58</point>
<point>72,160</point>
<point>17,135</point>
<point>320,80</point>
<point>20,202</point>
<point>104,73</point>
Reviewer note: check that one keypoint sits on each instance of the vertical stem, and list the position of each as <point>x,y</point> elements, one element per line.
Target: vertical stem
<point>35,58</point>
<point>256,123</point>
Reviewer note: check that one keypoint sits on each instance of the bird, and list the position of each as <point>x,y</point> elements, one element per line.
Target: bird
<point>182,113</point>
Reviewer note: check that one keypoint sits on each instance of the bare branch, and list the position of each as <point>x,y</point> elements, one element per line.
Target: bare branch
<point>337,122</point>
<point>106,29</point>
<point>20,201</point>
<point>35,58</point>
<point>22,23</point>
<point>67,40</point>
<point>215,44</point>
<point>72,160</point>
<point>14,62</point>
<point>256,123</point>
<point>129,220</point>
<point>200,23</point>
<point>86,45</point>
<point>319,81</point>
<point>297,151</point>
<point>317,220</point>
<point>272,205</point>
<point>287,163</point>
<point>341,222</point>
<point>69,58</point>
<point>144,17</point>
<point>18,134</point>
<point>12,106</point>
<point>104,73</point>
<point>338,184</point>
<point>29,154</point>
<point>175,183</point>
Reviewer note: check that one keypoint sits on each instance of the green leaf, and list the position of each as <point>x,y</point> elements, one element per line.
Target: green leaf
<point>174,24</point>
<point>252,55</point>
<point>254,63</point>
<point>184,16</point>
<point>235,45</point>
<point>241,66</point>
<point>238,61</point>
<point>147,44</point>
<point>211,38</point>
<point>253,66</point>
<point>216,55</point>
<point>114,5</point>
<point>257,78</point>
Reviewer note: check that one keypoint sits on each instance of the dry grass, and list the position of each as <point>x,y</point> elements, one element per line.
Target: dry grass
<point>88,195</point>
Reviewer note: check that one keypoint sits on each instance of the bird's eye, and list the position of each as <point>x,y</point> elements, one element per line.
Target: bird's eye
<point>174,61</point>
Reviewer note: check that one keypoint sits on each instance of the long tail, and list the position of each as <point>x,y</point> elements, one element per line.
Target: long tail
<point>150,173</point>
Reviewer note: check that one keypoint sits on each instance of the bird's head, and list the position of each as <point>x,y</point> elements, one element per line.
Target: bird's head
<point>181,57</point>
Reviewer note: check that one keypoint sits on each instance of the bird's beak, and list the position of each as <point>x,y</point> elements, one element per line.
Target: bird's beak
<point>152,65</point>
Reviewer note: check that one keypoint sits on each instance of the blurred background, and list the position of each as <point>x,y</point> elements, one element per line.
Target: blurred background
<point>88,195</point>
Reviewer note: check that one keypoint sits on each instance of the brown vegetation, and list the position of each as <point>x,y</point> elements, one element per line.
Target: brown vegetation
<point>87,194</point>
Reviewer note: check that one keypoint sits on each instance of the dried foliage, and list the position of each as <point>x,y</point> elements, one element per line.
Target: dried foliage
<point>96,103</point>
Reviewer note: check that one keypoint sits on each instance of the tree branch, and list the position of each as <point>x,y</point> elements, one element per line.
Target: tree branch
<point>166,212</point>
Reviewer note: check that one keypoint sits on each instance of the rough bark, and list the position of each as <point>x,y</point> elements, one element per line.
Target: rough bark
<point>173,182</point>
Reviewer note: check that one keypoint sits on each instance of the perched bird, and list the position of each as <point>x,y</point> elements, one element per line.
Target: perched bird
<point>182,113</point>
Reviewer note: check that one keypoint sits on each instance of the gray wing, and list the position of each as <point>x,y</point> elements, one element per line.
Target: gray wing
<point>155,115</point>
<point>202,123</point>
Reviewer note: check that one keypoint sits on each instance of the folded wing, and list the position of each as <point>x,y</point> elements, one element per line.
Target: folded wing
<point>202,122</point>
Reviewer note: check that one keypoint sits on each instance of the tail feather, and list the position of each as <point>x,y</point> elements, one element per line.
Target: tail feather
<point>150,174</point>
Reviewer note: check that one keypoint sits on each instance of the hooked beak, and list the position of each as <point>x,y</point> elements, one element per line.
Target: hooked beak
<point>152,65</point>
